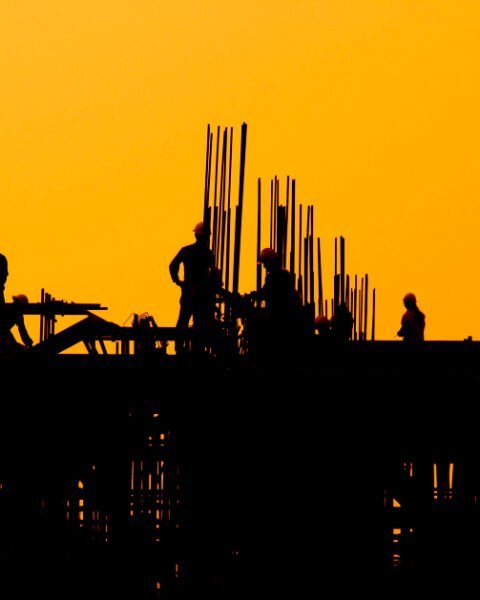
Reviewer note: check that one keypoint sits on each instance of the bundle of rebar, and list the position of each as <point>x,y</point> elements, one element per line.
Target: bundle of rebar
<point>294,242</point>
<point>217,209</point>
<point>291,233</point>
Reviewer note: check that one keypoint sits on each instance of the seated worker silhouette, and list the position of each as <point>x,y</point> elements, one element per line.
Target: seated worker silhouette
<point>13,317</point>
<point>278,292</point>
<point>413,321</point>
<point>196,297</point>
<point>279,321</point>
<point>3,276</point>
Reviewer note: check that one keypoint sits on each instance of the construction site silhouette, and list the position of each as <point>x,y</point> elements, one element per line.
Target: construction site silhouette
<point>279,448</point>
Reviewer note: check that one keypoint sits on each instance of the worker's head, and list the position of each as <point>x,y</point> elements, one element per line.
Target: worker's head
<point>322,324</point>
<point>21,298</point>
<point>409,300</point>
<point>201,230</point>
<point>268,257</point>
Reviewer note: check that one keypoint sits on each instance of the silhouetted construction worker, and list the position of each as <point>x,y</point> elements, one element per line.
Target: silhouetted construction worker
<point>413,321</point>
<point>323,327</point>
<point>13,317</point>
<point>342,323</point>
<point>279,322</point>
<point>278,292</point>
<point>3,276</point>
<point>196,298</point>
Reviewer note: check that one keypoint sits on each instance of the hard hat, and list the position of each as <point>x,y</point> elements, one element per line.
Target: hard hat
<point>200,229</point>
<point>410,299</point>
<point>20,298</point>
<point>267,254</point>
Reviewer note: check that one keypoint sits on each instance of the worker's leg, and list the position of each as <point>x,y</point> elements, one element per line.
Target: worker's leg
<point>182,326</point>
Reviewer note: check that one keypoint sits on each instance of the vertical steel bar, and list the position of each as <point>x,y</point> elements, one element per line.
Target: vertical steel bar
<point>292,237</point>
<point>238,220</point>
<point>229,214</point>
<point>320,283</point>
<point>373,315</point>
<point>259,233</point>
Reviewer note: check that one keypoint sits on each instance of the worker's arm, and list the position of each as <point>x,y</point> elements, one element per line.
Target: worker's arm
<point>175,267</point>
<point>405,327</point>
<point>22,330</point>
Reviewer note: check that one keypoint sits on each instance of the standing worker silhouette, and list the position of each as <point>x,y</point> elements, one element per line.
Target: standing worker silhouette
<point>413,321</point>
<point>195,301</point>
<point>3,276</point>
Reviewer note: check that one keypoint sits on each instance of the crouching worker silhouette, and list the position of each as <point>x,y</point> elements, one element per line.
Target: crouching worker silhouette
<point>14,316</point>
<point>196,297</point>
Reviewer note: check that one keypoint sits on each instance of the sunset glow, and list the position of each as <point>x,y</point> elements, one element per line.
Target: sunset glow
<point>371,106</point>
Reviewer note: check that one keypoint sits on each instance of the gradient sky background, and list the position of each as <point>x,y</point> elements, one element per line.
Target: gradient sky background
<point>372,106</point>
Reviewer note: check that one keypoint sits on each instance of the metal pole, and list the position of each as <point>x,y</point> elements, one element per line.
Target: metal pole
<point>272,208</point>
<point>354,308</point>
<point>365,321</point>
<point>229,214</point>
<point>306,271</point>
<point>286,221</point>
<point>292,235</point>
<point>208,159</point>
<point>238,220</point>
<point>320,284</point>
<point>221,211</point>
<point>215,210</point>
<point>342,269</point>
<point>373,315</point>
<point>259,233</point>
<point>300,289</point>
<point>312,272</point>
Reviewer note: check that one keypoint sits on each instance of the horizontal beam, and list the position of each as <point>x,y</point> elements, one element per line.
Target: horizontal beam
<point>54,307</point>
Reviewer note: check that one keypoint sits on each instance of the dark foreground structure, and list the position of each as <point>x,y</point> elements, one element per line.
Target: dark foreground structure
<point>353,467</point>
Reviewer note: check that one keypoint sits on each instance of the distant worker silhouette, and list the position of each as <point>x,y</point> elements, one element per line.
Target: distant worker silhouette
<point>13,317</point>
<point>3,276</point>
<point>196,297</point>
<point>323,327</point>
<point>413,321</point>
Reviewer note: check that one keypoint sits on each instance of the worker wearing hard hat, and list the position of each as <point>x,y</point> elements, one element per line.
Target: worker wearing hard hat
<point>278,291</point>
<point>413,321</point>
<point>278,323</point>
<point>195,302</point>
<point>15,317</point>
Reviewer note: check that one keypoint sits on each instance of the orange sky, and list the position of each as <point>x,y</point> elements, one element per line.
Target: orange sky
<point>371,106</point>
